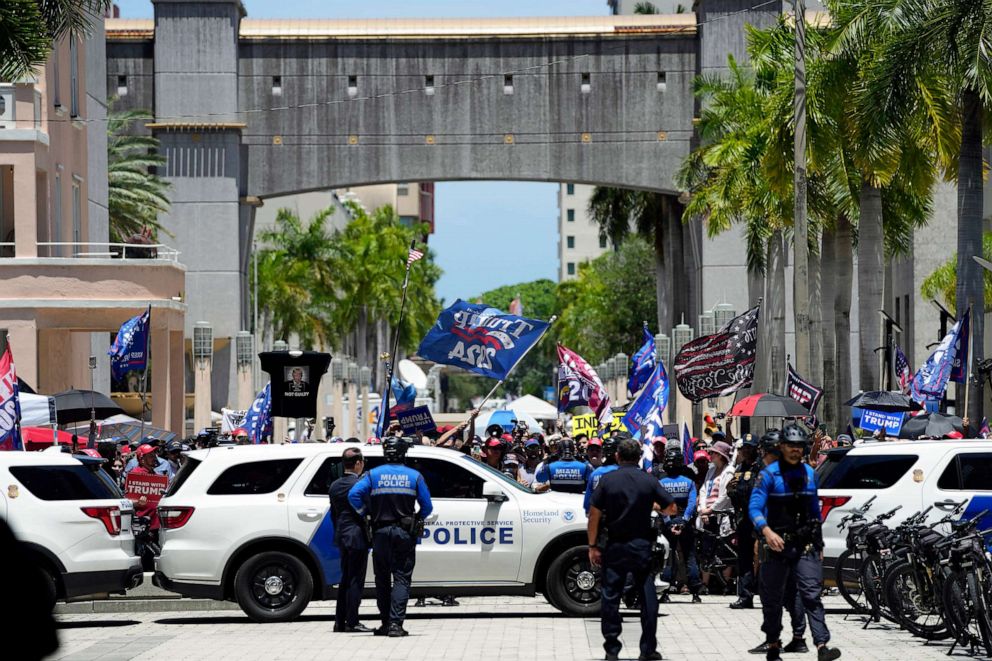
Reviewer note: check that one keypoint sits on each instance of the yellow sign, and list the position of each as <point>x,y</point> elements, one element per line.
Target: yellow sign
<point>584,424</point>
<point>617,422</point>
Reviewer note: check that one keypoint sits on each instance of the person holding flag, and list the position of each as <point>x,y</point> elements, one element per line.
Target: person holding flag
<point>258,419</point>
<point>650,403</point>
<point>579,385</point>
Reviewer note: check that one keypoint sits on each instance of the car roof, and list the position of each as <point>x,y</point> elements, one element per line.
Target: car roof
<point>909,447</point>
<point>242,453</point>
<point>23,458</point>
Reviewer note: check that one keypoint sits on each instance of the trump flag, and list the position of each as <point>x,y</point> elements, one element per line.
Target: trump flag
<point>258,419</point>
<point>128,352</point>
<point>642,363</point>
<point>10,409</point>
<point>651,401</point>
<point>579,385</point>
<point>480,339</point>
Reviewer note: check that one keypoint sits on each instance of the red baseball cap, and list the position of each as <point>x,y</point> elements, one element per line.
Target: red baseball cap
<point>494,443</point>
<point>507,437</point>
<point>596,440</point>
<point>701,454</point>
<point>955,434</point>
<point>145,449</point>
<point>90,452</point>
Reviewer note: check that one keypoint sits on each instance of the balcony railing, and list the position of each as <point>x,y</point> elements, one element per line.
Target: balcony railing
<point>99,250</point>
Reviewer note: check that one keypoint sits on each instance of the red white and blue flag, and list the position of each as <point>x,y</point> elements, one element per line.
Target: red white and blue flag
<point>10,407</point>
<point>687,451</point>
<point>258,419</point>
<point>930,380</point>
<point>413,256</point>
<point>903,371</point>
<point>579,385</point>
<point>130,348</point>
<point>984,430</point>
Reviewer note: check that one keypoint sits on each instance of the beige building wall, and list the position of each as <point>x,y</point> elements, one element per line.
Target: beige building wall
<point>578,234</point>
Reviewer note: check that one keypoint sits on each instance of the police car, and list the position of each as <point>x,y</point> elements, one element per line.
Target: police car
<point>912,474</point>
<point>251,524</point>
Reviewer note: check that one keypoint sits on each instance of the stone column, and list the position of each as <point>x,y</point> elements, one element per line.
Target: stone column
<point>364,381</point>
<point>352,381</point>
<point>23,339</point>
<point>203,340</point>
<point>26,209</point>
<point>245,355</point>
<point>177,384</point>
<point>161,354</point>
<point>337,395</point>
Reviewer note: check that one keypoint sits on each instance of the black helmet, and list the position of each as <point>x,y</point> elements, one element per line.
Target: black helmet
<point>770,440</point>
<point>620,435</point>
<point>610,446</point>
<point>566,448</point>
<point>794,434</point>
<point>394,449</point>
<point>673,460</point>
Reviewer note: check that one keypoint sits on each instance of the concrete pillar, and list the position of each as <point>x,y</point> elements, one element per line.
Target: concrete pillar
<point>177,384</point>
<point>23,339</point>
<point>337,395</point>
<point>352,381</point>
<point>202,364</point>
<point>280,429</point>
<point>364,381</point>
<point>245,359</point>
<point>323,408</point>
<point>161,354</point>
<point>26,211</point>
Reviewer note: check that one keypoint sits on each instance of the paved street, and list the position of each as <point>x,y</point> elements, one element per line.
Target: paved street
<point>478,630</point>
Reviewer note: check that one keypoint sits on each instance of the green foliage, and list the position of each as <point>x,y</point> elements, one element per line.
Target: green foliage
<point>136,196</point>
<point>942,283</point>
<point>539,298</point>
<point>603,310</point>
<point>29,27</point>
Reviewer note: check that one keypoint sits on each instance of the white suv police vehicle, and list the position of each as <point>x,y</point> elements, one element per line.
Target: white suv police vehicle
<point>72,519</point>
<point>252,524</point>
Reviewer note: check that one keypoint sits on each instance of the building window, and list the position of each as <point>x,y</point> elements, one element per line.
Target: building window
<point>121,85</point>
<point>570,214</point>
<point>571,268</point>
<point>402,190</point>
<point>662,81</point>
<point>56,80</point>
<point>276,85</point>
<point>570,242</point>
<point>352,86</point>
<point>57,215</point>
<point>586,83</point>
<point>77,213</point>
<point>569,189</point>
<point>602,242</point>
<point>429,85</point>
<point>73,78</point>
<point>508,84</point>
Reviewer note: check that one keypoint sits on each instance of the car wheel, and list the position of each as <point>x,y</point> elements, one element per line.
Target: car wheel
<point>273,586</point>
<point>50,593</point>
<point>572,584</point>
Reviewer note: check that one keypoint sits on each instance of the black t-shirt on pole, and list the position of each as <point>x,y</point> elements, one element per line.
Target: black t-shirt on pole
<point>295,377</point>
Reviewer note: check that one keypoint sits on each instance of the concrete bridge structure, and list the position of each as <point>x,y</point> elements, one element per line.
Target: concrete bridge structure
<point>249,109</point>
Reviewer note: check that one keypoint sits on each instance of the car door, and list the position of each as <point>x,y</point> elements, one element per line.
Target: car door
<point>967,476</point>
<point>310,514</point>
<point>473,540</point>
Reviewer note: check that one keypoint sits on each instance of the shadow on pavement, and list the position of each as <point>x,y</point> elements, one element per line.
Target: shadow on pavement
<point>94,624</point>
<point>445,615</point>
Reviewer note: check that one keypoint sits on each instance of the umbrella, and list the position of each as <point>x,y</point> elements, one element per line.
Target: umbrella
<point>132,431</point>
<point>884,400</point>
<point>75,405</point>
<point>36,438</point>
<point>931,424</point>
<point>505,418</point>
<point>768,406</point>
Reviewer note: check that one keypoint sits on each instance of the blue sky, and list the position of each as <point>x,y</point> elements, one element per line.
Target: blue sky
<point>489,234</point>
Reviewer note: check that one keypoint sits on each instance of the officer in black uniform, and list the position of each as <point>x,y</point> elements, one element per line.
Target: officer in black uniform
<point>739,489</point>
<point>352,542</point>
<point>785,511</point>
<point>388,494</point>
<point>624,499</point>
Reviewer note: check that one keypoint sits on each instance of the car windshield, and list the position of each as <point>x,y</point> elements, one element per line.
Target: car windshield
<point>498,474</point>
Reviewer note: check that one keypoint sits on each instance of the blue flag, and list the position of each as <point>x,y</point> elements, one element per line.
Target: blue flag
<point>404,396</point>
<point>959,368</point>
<point>130,347</point>
<point>651,401</point>
<point>480,339</point>
<point>686,445</point>
<point>931,379</point>
<point>642,363</point>
<point>258,419</point>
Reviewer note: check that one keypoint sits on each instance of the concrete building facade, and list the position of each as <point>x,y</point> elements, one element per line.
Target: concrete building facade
<point>578,234</point>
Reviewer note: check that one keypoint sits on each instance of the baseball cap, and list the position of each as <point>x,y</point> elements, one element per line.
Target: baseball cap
<point>145,449</point>
<point>701,454</point>
<point>596,440</point>
<point>531,443</point>
<point>494,443</point>
<point>507,437</point>
<point>718,435</point>
<point>955,434</point>
<point>659,439</point>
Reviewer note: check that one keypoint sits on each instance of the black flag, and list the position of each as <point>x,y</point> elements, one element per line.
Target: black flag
<point>719,364</point>
<point>803,391</point>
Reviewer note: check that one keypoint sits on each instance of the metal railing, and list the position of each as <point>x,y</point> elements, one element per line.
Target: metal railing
<point>99,250</point>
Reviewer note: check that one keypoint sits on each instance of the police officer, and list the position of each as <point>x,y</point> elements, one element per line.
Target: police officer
<point>739,489</point>
<point>387,494</point>
<point>785,511</point>
<point>610,445</point>
<point>568,473</point>
<point>679,530</point>
<point>353,545</point>
<point>624,499</point>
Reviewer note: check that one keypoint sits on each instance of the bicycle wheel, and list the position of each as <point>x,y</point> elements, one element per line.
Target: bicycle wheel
<point>846,578</point>
<point>977,592</point>
<point>872,575</point>
<point>958,610</point>
<point>911,596</point>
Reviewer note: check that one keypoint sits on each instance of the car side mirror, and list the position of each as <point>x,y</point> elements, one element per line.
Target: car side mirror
<point>492,492</point>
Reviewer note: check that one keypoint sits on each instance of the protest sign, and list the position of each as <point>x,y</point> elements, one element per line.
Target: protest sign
<point>149,486</point>
<point>875,420</point>
<point>417,420</point>
<point>584,424</point>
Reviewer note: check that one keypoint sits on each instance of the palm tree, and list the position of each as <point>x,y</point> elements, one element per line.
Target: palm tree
<point>942,284</point>
<point>29,27</point>
<point>136,196</point>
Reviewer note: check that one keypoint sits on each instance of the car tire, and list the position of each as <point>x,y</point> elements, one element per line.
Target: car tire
<point>572,585</point>
<point>273,586</point>
<point>50,582</point>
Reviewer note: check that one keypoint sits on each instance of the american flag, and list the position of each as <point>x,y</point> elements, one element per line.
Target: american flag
<point>984,430</point>
<point>903,371</point>
<point>413,256</point>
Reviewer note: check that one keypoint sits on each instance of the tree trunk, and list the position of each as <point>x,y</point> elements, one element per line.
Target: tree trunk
<point>756,283</point>
<point>871,282</point>
<point>815,317</point>
<point>828,287</point>
<point>380,346</point>
<point>844,272</point>
<point>662,280</point>
<point>361,339</point>
<point>971,279</point>
<point>776,312</point>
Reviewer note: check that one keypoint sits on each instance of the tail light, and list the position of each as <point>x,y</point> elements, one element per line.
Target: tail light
<point>174,517</point>
<point>827,503</point>
<point>109,516</point>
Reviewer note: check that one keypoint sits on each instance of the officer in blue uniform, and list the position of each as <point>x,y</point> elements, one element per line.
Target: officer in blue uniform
<point>785,511</point>
<point>387,494</point>
<point>568,473</point>
<point>679,529</point>
<point>610,446</point>
<point>353,545</point>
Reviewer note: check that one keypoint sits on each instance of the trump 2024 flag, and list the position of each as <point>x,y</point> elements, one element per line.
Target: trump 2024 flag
<point>481,339</point>
<point>10,409</point>
<point>651,401</point>
<point>130,347</point>
<point>642,363</point>
<point>579,385</point>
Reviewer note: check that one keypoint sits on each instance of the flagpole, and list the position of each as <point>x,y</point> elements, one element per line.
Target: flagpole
<point>144,378</point>
<point>391,361</point>
<point>485,399</point>
<point>967,379</point>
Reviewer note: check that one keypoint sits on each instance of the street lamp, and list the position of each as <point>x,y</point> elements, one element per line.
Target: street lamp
<point>91,437</point>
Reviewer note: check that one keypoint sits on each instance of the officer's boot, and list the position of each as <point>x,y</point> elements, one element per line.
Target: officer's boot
<point>773,651</point>
<point>827,653</point>
<point>796,646</point>
<point>743,603</point>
